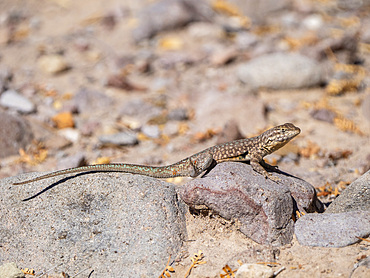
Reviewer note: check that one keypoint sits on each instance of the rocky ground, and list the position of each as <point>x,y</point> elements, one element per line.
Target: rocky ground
<point>152,82</point>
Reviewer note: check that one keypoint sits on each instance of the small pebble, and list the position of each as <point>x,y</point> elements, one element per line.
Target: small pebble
<point>324,115</point>
<point>52,64</point>
<point>119,139</point>
<point>180,114</point>
<point>14,100</point>
<point>75,160</point>
<point>63,120</point>
<point>171,129</point>
<point>313,22</point>
<point>10,270</point>
<point>229,132</point>
<point>71,134</point>
<point>254,270</point>
<point>152,131</point>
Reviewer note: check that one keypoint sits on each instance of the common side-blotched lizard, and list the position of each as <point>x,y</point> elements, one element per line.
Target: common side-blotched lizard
<point>251,149</point>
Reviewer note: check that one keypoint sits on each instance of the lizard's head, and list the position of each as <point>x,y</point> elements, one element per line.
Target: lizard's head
<point>276,137</point>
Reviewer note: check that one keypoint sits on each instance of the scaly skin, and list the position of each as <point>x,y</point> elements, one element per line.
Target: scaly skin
<point>251,149</point>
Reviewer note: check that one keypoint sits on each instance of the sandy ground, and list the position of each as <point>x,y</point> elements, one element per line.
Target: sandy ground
<point>60,23</point>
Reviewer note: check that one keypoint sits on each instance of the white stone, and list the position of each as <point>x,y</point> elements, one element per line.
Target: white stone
<point>12,99</point>
<point>254,270</point>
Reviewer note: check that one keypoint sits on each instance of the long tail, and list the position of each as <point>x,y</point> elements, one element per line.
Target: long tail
<point>152,171</point>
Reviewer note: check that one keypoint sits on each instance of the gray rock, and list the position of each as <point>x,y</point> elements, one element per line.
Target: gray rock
<point>179,114</point>
<point>50,139</point>
<point>89,100</point>
<point>324,115</point>
<point>12,99</point>
<point>258,11</point>
<point>160,16</point>
<point>355,197</point>
<point>120,225</point>
<point>332,229</point>
<point>263,207</point>
<point>53,64</point>
<point>71,134</point>
<point>281,71</point>
<point>170,129</point>
<point>119,139</point>
<point>75,160</point>
<point>229,132</point>
<point>254,270</point>
<point>15,133</point>
<point>170,14</point>
<point>365,262</point>
<point>139,109</point>
<point>10,270</point>
<point>152,131</point>
<point>6,77</point>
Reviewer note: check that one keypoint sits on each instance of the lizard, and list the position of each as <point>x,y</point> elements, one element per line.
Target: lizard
<point>250,149</point>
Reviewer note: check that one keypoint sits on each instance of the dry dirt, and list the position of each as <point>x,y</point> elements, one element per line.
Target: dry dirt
<point>220,241</point>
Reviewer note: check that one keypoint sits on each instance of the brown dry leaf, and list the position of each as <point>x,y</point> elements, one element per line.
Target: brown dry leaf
<point>171,43</point>
<point>183,128</point>
<point>208,134</point>
<point>340,121</point>
<point>44,90</point>
<point>364,239</point>
<point>350,84</point>
<point>327,189</point>
<point>310,151</point>
<point>142,137</point>
<point>348,22</point>
<point>343,184</point>
<point>28,271</point>
<point>92,19</point>
<point>229,9</point>
<point>67,96</point>
<point>166,272</point>
<point>162,140</point>
<point>297,43</point>
<point>337,87</point>
<point>293,43</point>
<point>339,154</point>
<point>63,120</point>
<point>228,272</point>
<point>21,33</point>
<point>102,160</point>
<point>346,125</point>
<point>266,29</point>
<point>196,260</point>
<point>35,155</point>
<point>268,263</point>
<point>120,81</point>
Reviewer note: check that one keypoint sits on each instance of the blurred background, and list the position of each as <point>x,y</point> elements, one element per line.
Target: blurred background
<point>152,82</point>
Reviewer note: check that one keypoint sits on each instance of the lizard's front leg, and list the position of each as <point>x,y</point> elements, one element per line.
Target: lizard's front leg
<point>256,165</point>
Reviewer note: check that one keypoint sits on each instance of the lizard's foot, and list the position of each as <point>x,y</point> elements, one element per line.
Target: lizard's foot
<point>297,214</point>
<point>273,178</point>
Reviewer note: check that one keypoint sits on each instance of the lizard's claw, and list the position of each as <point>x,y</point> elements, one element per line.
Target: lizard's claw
<point>273,178</point>
<point>297,214</point>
